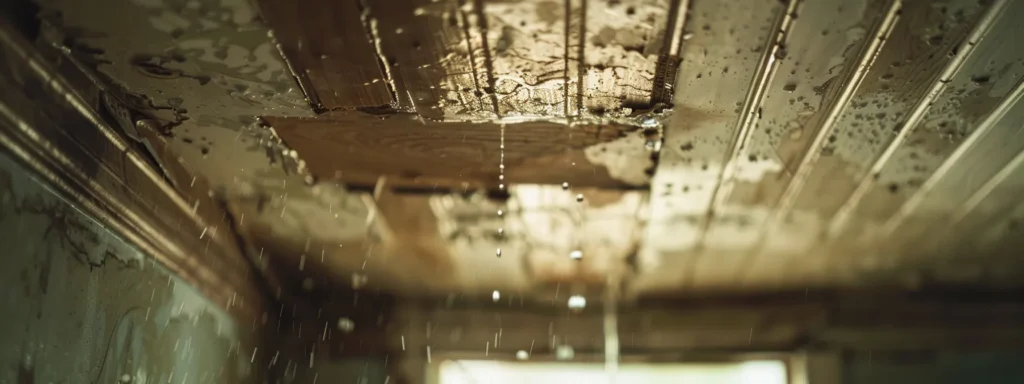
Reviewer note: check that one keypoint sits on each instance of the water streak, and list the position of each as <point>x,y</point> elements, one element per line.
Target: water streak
<point>611,327</point>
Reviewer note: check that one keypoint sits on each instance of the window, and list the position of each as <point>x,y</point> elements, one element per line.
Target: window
<point>508,372</point>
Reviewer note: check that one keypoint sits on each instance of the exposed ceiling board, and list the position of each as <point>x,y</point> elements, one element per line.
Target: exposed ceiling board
<point>357,149</point>
<point>825,51</point>
<point>417,46</point>
<point>327,43</point>
<point>456,60</point>
<point>926,38</point>
<point>772,81</point>
<point>700,134</point>
<point>946,117</point>
<point>806,74</point>
<point>992,165</point>
<point>910,61</point>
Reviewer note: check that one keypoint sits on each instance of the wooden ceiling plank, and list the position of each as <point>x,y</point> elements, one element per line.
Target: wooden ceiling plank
<point>359,148</point>
<point>327,41</point>
<point>417,46</point>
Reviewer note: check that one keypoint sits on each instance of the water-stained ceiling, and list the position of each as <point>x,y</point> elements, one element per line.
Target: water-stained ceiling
<point>682,146</point>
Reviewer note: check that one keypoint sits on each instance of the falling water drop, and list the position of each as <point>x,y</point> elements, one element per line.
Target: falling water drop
<point>346,325</point>
<point>576,254</point>
<point>564,352</point>
<point>358,280</point>
<point>126,378</point>
<point>501,158</point>
<point>652,133</point>
<point>649,122</point>
<point>652,145</point>
<point>577,303</point>
<point>498,252</point>
<point>522,355</point>
<point>579,197</point>
<point>565,186</point>
<point>501,186</point>
<point>495,296</point>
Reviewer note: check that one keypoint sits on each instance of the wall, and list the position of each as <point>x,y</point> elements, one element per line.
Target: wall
<point>935,367</point>
<point>82,306</point>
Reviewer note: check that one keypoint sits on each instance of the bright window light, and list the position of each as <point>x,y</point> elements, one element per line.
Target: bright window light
<point>503,372</point>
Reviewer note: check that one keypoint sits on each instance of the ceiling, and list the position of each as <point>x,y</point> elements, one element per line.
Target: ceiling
<point>681,147</point>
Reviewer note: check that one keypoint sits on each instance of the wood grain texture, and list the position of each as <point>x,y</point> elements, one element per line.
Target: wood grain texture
<point>326,42</point>
<point>357,149</point>
<point>418,46</point>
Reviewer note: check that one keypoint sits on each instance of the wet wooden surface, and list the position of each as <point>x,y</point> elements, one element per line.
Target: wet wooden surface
<point>358,149</point>
<point>327,46</point>
<point>418,46</point>
<point>734,206</point>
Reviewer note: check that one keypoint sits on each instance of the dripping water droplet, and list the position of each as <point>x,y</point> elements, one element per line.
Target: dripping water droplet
<point>577,303</point>
<point>358,280</point>
<point>564,352</point>
<point>649,123</point>
<point>346,325</point>
<point>576,254</point>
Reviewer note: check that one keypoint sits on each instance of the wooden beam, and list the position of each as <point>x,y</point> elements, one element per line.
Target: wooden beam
<point>423,50</point>
<point>358,148</point>
<point>329,49</point>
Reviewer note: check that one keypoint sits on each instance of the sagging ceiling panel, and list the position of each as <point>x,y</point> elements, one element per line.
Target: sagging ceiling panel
<point>703,146</point>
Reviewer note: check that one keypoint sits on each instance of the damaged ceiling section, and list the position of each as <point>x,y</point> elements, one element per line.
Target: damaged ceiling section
<point>425,147</point>
<point>483,61</point>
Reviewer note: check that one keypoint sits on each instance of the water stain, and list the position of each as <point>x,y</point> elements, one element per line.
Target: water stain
<point>156,66</point>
